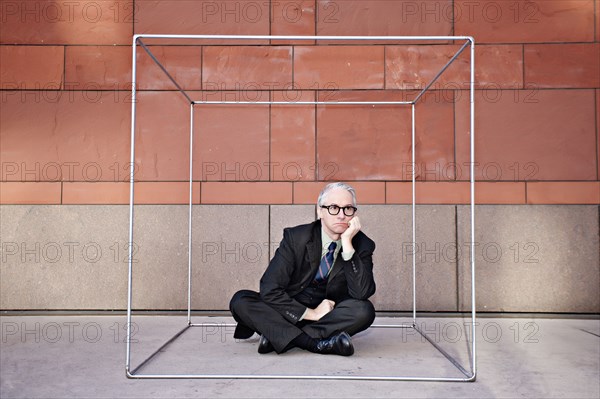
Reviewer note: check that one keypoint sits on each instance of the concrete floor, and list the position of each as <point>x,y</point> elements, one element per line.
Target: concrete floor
<point>84,357</point>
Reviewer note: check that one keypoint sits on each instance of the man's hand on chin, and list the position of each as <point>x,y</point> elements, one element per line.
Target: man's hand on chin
<point>351,231</point>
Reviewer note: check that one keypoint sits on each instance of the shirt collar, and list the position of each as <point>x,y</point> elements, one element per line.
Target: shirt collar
<point>326,240</point>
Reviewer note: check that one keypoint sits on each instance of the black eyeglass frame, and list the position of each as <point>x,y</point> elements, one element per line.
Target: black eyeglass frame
<point>345,208</point>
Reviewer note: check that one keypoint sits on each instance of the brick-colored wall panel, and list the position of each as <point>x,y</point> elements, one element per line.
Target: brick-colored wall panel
<point>30,193</point>
<point>249,95</point>
<point>398,192</point>
<point>529,135</point>
<point>428,193</point>
<point>366,192</point>
<point>562,65</point>
<point>413,67</point>
<point>166,193</point>
<point>293,18</point>
<point>369,192</point>
<point>598,130</point>
<point>31,67</point>
<point>442,193</point>
<point>98,67</point>
<point>598,20</point>
<point>434,139</point>
<point>293,138</point>
<point>491,21</point>
<point>383,17</point>
<point>67,22</point>
<point>344,67</point>
<point>355,142</point>
<point>246,193</point>
<point>563,192</point>
<point>232,142</point>
<point>246,67</point>
<point>497,66</point>
<point>95,193</point>
<point>64,136</point>
<point>381,134</point>
<point>485,193</point>
<point>183,63</point>
<point>307,192</point>
<point>162,136</point>
<point>203,17</point>
<point>500,192</point>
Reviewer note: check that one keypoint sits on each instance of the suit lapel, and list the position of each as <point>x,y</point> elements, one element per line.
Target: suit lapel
<point>337,267</point>
<point>313,249</point>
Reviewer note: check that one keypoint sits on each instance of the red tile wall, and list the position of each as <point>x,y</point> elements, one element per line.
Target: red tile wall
<point>32,67</point>
<point>227,67</point>
<point>542,21</point>
<point>41,22</point>
<point>65,79</point>
<point>97,67</point>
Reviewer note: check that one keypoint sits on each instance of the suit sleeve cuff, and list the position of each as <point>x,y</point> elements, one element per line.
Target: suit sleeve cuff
<point>348,255</point>
<point>303,314</point>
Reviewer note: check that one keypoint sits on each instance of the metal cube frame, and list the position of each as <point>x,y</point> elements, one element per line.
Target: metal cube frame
<point>138,40</point>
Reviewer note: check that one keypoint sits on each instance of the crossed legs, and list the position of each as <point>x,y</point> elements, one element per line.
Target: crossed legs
<point>254,315</point>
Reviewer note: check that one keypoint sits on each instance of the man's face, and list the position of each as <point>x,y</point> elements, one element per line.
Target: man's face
<point>335,225</point>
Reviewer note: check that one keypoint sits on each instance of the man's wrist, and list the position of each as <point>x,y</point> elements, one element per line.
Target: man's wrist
<point>347,244</point>
<point>347,255</point>
<point>309,315</point>
<point>347,249</point>
<point>303,315</point>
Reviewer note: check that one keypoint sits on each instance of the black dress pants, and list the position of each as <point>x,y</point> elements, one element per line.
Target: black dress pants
<point>254,315</point>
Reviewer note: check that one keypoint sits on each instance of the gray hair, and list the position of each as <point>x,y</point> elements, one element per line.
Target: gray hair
<point>333,186</point>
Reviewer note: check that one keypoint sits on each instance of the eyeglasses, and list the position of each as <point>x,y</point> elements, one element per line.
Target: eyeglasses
<point>334,209</point>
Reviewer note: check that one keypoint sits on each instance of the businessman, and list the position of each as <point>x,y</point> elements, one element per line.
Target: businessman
<point>314,293</point>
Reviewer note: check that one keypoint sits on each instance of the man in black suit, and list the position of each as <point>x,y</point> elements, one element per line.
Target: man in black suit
<point>314,293</point>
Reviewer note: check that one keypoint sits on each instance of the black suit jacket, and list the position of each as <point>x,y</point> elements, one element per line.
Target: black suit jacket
<point>295,264</point>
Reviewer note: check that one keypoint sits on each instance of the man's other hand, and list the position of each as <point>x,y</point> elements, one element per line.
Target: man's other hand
<point>324,307</point>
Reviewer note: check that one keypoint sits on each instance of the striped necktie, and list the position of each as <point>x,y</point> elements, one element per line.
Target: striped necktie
<point>326,263</point>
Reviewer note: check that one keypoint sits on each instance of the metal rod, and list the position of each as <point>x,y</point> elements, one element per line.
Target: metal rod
<point>411,325</point>
<point>441,71</point>
<point>472,121</point>
<point>306,102</point>
<point>414,228</point>
<point>131,180</point>
<point>443,352</point>
<point>189,296</point>
<point>163,346</point>
<point>165,71</point>
<point>297,37</point>
<point>212,324</point>
<point>293,377</point>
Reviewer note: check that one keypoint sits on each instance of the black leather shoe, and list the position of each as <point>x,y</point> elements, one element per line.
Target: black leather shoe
<point>339,344</point>
<point>264,346</point>
<point>242,332</point>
